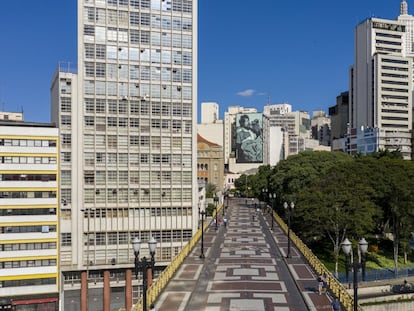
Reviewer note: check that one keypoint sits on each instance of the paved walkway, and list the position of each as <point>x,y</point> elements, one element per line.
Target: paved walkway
<point>245,269</point>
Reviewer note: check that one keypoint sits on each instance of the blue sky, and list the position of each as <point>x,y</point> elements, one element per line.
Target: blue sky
<point>297,52</point>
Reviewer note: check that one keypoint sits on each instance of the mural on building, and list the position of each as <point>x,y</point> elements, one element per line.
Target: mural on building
<point>249,138</point>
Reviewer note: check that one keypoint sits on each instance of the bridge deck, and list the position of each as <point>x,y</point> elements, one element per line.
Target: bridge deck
<point>245,268</point>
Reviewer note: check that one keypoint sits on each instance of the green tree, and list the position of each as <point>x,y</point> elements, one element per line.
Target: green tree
<point>292,175</point>
<point>210,190</point>
<point>337,204</point>
<point>397,201</point>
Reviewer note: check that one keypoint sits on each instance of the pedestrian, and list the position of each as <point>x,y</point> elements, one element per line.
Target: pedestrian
<point>225,222</point>
<point>336,305</point>
<point>320,284</point>
<point>325,283</point>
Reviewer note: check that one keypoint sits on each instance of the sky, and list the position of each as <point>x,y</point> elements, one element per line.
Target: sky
<point>249,52</point>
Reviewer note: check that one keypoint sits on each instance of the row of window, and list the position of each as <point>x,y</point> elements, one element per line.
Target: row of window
<point>27,211</point>
<point>135,72</point>
<point>104,238</point>
<point>123,106</point>
<point>123,141</point>
<point>115,238</point>
<point>27,160</point>
<point>137,212</point>
<point>101,51</point>
<point>28,229</point>
<point>184,6</point>
<point>28,263</point>
<point>133,18</point>
<point>27,177</point>
<point>102,124</point>
<point>116,195</point>
<point>27,142</point>
<point>27,194</point>
<point>28,282</point>
<point>27,246</point>
<point>102,35</point>
<point>123,177</point>
<point>132,90</point>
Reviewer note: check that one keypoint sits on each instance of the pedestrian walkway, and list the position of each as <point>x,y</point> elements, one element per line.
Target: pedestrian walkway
<point>245,269</point>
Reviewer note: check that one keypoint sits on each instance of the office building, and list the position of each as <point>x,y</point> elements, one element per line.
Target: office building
<point>129,142</point>
<point>29,224</point>
<point>381,80</point>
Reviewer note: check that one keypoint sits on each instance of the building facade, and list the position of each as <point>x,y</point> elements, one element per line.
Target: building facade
<point>210,163</point>
<point>130,145</point>
<point>29,224</point>
<point>381,81</point>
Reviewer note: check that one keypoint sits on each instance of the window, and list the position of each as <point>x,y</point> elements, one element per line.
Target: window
<point>66,140</point>
<point>65,104</point>
<point>66,239</point>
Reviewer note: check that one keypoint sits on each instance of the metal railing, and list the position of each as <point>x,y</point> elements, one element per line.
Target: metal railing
<point>159,284</point>
<point>336,288</point>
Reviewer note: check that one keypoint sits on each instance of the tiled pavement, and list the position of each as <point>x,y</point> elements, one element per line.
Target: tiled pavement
<point>245,269</point>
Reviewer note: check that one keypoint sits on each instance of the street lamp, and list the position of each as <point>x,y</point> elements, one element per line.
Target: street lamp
<point>355,265</point>
<point>215,207</point>
<point>144,265</point>
<point>264,195</point>
<point>272,197</point>
<point>203,213</point>
<point>198,225</point>
<point>289,209</point>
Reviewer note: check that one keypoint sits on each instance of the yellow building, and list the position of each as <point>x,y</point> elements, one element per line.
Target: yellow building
<point>29,261</point>
<point>210,163</point>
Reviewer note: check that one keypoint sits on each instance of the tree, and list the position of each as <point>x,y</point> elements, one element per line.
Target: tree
<point>397,201</point>
<point>337,204</point>
<point>210,190</point>
<point>290,176</point>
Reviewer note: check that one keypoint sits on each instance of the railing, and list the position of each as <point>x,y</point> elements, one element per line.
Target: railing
<point>159,284</point>
<point>336,288</point>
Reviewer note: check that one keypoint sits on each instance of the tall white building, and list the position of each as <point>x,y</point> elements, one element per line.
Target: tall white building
<point>129,144</point>
<point>29,224</point>
<point>209,112</point>
<point>381,80</point>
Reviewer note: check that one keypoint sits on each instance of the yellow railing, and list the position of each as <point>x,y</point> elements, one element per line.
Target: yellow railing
<point>162,280</point>
<point>336,288</point>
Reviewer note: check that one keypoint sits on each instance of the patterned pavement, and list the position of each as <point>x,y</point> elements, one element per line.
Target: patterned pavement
<point>245,269</point>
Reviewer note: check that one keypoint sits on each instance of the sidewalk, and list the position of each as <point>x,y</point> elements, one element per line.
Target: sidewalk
<point>244,269</point>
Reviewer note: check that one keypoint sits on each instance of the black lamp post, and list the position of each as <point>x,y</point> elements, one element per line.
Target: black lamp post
<point>272,197</point>
<point>198,226</point>
<point>203,213</point>
<point>215,208</point>
<point>289,209</point>
<point>227,199</point>
<point>144,265</point>
<point>355,265</point>
<point>264,195</point>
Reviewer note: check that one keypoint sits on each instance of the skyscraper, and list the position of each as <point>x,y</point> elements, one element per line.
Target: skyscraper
<point>129,140</point>
<point>381,80</point>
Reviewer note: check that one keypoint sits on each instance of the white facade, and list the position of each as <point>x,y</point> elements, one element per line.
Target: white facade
<point>29,224</point>
<point>132,134</point>
<point>382,79</point>
<point>12,116</point>
<point>209,112</point>
<point>294,124</point>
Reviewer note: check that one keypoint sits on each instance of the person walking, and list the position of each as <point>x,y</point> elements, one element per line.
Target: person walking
<point>336,305</point>
<point>320,284</point>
